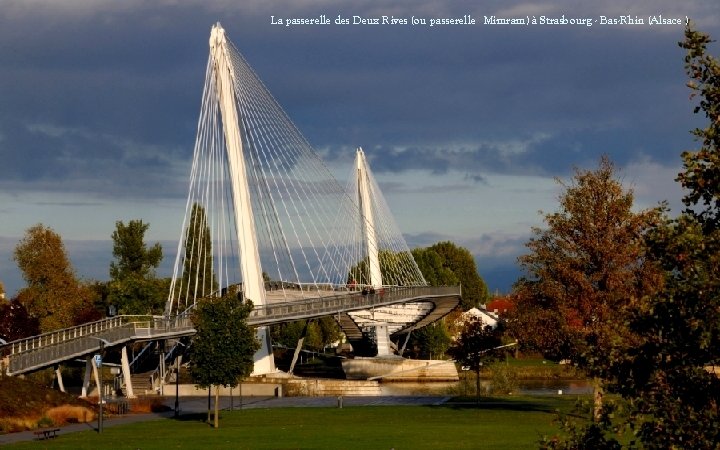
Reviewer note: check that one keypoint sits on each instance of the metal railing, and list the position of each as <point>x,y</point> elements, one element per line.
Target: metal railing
<point>323,306</point>
<point>35,352</point>
<point>40,351</point>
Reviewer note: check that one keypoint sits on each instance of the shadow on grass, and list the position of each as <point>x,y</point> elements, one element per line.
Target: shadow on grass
<point>566,405</point>
<point>191,417</point>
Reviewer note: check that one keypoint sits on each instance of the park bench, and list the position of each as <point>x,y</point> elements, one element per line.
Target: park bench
<point>46,433</point>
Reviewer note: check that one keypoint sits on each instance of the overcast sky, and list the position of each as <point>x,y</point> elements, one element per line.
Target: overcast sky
<point>465,126</point>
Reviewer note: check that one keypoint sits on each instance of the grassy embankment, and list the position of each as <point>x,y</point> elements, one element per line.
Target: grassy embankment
<point>26,404</point>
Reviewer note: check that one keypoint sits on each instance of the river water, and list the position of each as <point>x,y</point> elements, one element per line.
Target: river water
<point>462,387</point>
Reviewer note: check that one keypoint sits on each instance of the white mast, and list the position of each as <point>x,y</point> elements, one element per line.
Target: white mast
<point>367,219</point>
<point>253,287</point>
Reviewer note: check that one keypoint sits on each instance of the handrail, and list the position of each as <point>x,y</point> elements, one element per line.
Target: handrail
<point>78,331</point>
<point>39,351</point>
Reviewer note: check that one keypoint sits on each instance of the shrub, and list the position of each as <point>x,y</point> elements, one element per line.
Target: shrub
<point>63,414</point>
<point>503,379</point>
<point>148,405</point>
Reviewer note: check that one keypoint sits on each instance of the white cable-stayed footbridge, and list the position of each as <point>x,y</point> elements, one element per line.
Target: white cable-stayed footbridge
<point>267,220</point>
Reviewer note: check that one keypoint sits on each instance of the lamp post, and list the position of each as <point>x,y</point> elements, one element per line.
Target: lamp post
<point>98,363</point>
<point>177,382</point>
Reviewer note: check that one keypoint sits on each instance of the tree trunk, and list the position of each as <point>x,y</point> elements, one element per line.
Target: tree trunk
<point>209,391</point>
<point>597,399</point>
<point>217,405</point>
<point>477,384</point>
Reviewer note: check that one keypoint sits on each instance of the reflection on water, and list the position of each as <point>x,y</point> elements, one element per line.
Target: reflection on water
<point>530,387</point>
<point>545,387</point>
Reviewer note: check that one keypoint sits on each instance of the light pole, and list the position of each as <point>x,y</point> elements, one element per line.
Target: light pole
<point>98,362</point>
<point>177,381</point>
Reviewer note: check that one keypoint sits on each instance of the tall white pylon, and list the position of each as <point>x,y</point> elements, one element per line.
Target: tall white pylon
<point>367,219</point>
<point>253,286</point>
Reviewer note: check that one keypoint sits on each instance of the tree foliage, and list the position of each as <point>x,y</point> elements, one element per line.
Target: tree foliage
<point>16,322</point>
<point>432,268</point>
<point>585,271</point>
<point>319,335</point>
<point>134,288</point>
<point>132,257</point>
<point>701,177</point>
<point>393,266</point>
<point>446,264</point>
<point>221,352</point>
<point>674,398</point>
<point>198,279</point>
<point>476,346</point>
<point>53,294</point>
<point>429,342</point>
<point>677,399</point>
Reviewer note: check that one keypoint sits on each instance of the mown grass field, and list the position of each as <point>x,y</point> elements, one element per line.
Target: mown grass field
<point>494,423</point>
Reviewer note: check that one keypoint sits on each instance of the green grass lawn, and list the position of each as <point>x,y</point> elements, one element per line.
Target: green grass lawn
<point>496,423</point>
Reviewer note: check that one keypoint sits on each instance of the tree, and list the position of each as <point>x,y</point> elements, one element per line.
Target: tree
<point>430,342</point>
<point>476,346</point>
<point>432,268</point>
<point>53,294</point>
<point>16,322</point>
<point>133,287</point>
<point>446,264</point>
<point>585,272</point>
<point>221,352</point>
<point>396,268</point>
<point>701,177</point>
<point>198,279</point>
<point>677,401</point>
<point>319,334</point>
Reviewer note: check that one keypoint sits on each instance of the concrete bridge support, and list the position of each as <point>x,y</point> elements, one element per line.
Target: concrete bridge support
<point>125,363</point>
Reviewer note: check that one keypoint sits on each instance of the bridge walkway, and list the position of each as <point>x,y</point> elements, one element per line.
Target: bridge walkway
<point>48,349</point>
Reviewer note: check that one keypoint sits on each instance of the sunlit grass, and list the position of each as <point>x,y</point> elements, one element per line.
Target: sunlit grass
<point>511,423</point>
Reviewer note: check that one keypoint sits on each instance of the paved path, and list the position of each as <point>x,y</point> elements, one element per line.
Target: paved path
<point>195,405</point>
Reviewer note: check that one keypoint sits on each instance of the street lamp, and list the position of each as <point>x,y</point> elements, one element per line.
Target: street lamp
<point>177,381</point>
<point>98,363</point>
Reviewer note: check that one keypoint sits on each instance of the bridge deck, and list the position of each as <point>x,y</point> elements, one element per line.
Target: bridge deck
<point>45,350</point>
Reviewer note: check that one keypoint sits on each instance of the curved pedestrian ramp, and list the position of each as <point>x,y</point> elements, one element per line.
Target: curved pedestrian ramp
<point>46,350</point>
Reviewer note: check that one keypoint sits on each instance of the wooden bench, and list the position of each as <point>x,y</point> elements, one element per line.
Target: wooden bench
<point>46,433</point>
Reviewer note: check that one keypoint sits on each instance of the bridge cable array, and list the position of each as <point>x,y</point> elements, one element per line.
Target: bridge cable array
<point>309,228</point>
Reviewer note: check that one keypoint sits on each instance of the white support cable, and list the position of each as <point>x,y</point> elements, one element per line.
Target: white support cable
<point>306,223</point>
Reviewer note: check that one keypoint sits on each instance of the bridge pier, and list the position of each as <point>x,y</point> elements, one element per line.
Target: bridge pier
<point>264,359</point>
<point>382,339</point>
<point>125,363</point>
<point>86,378</point>
<point>58,377</point>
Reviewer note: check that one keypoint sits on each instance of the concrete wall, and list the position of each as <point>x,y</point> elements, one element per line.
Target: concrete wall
<point>399,369</point>
<point>248,389</point>
<point>299,387</point>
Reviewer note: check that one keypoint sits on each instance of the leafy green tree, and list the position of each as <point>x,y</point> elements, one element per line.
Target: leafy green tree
<point>394,266</point>
<point>585,272</point>
<point>134,288</point>
<point>198,279</point>
<point>429,342</point>
<point>677,401</point>
<point>432,268</point>
<point>476,347</point>
<point>447,264</point>
<point>53,294</point>
<point>320,333</point>
<point>221,352</point>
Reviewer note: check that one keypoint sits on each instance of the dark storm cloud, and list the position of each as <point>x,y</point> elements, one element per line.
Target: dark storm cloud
<point>475,100</point>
